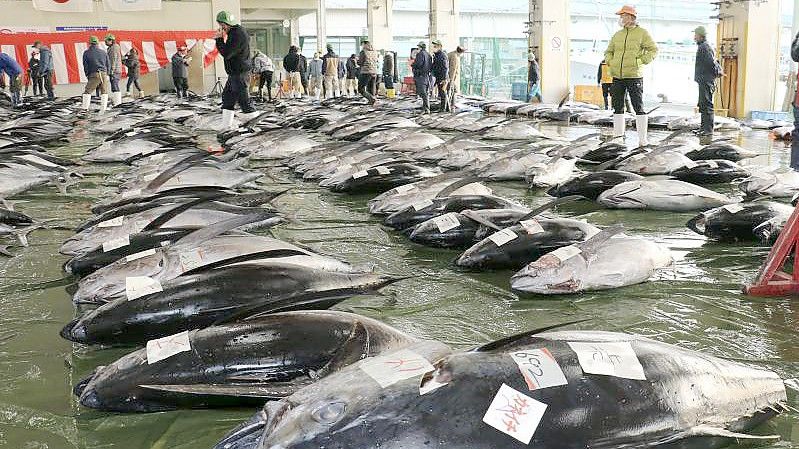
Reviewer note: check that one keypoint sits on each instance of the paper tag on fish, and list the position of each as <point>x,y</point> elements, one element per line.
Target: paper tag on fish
<point>389,369</point>
<point>609,358</point>
<point>140,255</point>
<point>37,160</point>
<point>502,237</point>
<point>565,253</point>
<point>360,174</point>
<point>690,164</point>
<point>405,189</point>
<point>190,260</point>
<point>446,222</point>
<point>733,208</point>
<point>515,414</point>
<point>116,243</point>
<point>165,347</point>
<point>712,164</point>
<point>539,368</point>
<point>531,226</point>
<point>131,193</point>
<point>383,170</point>
<point>419,205</point>
<point>112,223</point>
<point>138,286</point>
<point>130,134</point>
<point>330,159</point>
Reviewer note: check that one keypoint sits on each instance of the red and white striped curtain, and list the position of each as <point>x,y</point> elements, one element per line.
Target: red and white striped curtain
<point>155,49</point>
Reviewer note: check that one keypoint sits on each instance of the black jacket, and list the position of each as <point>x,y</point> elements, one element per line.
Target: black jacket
<point>33,66</point>
<point>440,67</point>
<point>236,51</point>
<point>94,60</point>
<point>422,64</point>
<point>534,75</point>
<point>795,48</point>
<point>705,69</point>
<point>352,69</point>
<point>291,62</point>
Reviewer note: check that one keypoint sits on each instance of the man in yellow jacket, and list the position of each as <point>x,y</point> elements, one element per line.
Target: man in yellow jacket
<point>628,51</point>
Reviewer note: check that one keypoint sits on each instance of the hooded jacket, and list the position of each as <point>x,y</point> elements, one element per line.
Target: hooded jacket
<point>440,68</point>
<point>629,50</point>
<point>388,64</point>
<point>262,63</point>
<point>352,68</point>
<point>236,50</point>
<point>114,59</point>
<point>367,60</point>
<point>291,62</point>
<point>315,68</point>
<point>45,60</point>
<point>180,67</point>
<point>132,63</point>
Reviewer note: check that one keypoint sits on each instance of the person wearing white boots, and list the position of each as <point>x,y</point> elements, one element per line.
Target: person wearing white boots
<point>233,44</point>
<point>628,51</point>
<point>95,67</point>
<point>114,68</point>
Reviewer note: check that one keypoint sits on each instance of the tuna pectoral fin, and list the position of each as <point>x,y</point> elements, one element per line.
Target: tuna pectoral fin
<point>557,202</point>
<point>265,390</point>
<point>480,220</point>
<point>178,167</point>
<point>591,245</point>
<point>217,229</point>
<point>710,431</point>
<point>508,341</point>
<point>447,191</point>
<point>354,349</point>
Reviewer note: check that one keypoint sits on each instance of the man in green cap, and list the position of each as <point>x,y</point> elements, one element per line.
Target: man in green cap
<point>234,45</point>
<point>705,73</point>
<point>95,67</point>
<point>114,67</point>
<point>422,65</point>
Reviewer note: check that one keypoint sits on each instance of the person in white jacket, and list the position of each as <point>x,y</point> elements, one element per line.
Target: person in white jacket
<point>263,66</point>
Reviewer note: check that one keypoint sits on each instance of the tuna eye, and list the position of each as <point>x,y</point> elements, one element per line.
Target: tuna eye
<point>329,413</point>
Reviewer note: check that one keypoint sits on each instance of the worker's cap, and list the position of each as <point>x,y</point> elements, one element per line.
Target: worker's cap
<point>94,40</point>
<point>700,30</point>
<point>421,44</point>
<point>365,41</point>
<point>37,43</point>
<point>226,18</point>
<point>436,42</point>
<point>329,46</point>
<point>627,9</point>
<point>460,49</point>
<point>110,37</point>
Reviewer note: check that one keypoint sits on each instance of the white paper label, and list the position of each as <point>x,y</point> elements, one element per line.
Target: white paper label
<point>190,260</point>
<point>690,164</point>
<point>37,160</point>
<point>383,170</point>
<point>330,159</point>
<point>565,253</point>
<point>405,189</point>
<point>140,255</point>
<point>539,368</point>
<point>733,208</point>
<point>360,174</point>
<point>515,414</point>
<point>163,348</point>
<point>609,358</point>
<point>112,223</point>
<point>131,133</point>
<point>138,286</point>
<point>502,237</point>
<point>712,164</point>
<point>131,193</point>
<point>446,222</point>
<point>116,243</point>
<point>389,369</point>
<point>419,205</point>
<point>531,226</point>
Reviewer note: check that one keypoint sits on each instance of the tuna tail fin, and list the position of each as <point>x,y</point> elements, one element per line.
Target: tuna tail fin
<point>507,341</point>
<point>551,204</point>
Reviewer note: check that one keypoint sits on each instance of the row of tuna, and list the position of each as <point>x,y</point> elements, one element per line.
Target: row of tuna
<point>179,262</point>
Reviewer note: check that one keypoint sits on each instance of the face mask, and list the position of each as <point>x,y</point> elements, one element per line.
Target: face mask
<point>621,22</point>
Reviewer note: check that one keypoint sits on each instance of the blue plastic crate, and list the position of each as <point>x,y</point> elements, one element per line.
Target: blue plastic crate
<point>771,115</point>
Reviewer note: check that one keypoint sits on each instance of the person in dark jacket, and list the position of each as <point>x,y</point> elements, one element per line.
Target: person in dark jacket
<point>421,67</point>
<point>352,76</point>
<point>795,133</point>
<point>233,44</point>
<point>440,70</point>
<point>367,79</point>
<point>10,67</point>
<point>131,61</point>
<point>533,80</point>
<point>35,77</point>
<point>303,69</point>
<point>291,64</point>
<point>180,71</point>
<point>389,73</point>
<point>95,67</point>
<point>45,67</point>
<point>705,76</point>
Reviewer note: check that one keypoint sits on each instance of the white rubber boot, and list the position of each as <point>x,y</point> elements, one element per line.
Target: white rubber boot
<point>642,125</point>
<point>117,98</point>
<point>618,125</point>
<point>141,94</point>
<point>86,100</point>
<point>103,103</point>
<point>227,118</point>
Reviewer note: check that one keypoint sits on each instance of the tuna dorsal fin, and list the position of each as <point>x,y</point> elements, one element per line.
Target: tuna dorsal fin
<point>472,215</point>
<point>264,390</point>
<point>178,167</point>
<point>217,229</point>
<point>507,341</point>
<point>674,134</point>
<point>447,191</point>
<point>551,204</point>
<point>612,162</point>
<point>590,246</point>
<point>586,137</point>
<point>172,213</point>
<point>354,349</point>
<point>563,100</point>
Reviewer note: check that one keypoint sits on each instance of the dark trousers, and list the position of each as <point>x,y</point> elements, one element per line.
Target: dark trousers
<point>181,85</point>
<point>133,80</point>
<point>421,91</point>
<point>606,95</point>
<point>236,92</point>
<point>38,84</point>
<point>388,80</point>
<point>47,78</point>
<point>795,139</point>
<point>113,78</point>
<point>265,78</point>
<point>632,86</point>
<point>705,105</point>
<point>443,100</point>
<point>367,83</point>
